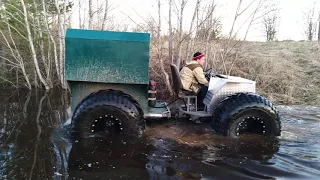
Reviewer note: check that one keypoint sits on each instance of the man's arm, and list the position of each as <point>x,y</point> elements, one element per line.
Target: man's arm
<point>198,72</point>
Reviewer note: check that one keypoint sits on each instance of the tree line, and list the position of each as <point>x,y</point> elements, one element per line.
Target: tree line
<point>32,43</point>
<point>32,32</point>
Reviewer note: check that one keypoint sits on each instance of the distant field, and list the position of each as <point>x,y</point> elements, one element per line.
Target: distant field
<point>286,72</point>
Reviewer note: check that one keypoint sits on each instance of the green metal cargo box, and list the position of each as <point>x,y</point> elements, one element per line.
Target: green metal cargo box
<point>99,60</point>
<point>107,56</point>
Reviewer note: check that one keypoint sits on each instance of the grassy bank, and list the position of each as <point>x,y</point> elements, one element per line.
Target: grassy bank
<point>286,72</point>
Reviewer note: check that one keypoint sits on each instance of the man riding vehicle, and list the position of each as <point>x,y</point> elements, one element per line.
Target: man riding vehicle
<point>193,78</point>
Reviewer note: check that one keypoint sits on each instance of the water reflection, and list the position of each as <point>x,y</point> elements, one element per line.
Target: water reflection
<point>27,120</point>
<point>34,144</point>
<point>149,158</point>
<point>113,158</point>
<point>209,156</point>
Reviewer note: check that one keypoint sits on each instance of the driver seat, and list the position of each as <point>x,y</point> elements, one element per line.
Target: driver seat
<point>190,96</point>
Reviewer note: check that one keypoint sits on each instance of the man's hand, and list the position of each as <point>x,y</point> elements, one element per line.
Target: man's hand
<point>199,74</point>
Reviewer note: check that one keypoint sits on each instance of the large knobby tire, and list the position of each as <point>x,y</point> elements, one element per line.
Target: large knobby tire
<point>246,113</point>
<point>108,112</point>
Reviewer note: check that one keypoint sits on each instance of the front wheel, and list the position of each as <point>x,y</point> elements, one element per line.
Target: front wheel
<point>246,113</point>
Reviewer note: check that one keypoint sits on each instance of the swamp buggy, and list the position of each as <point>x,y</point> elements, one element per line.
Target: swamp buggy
<point>111,93</point>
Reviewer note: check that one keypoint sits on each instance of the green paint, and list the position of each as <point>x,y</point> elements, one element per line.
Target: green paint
<point>100,60</point>
<point>109,57</point>
<point>80,90</point>
<point>108,35</point>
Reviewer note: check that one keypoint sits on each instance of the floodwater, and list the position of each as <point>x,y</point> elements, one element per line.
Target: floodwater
<point>35,144</point>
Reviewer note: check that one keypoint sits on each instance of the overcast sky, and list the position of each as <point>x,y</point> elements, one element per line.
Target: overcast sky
<point>290,26</point>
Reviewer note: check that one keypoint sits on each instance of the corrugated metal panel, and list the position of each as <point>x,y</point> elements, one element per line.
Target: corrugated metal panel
<point>213,98</point>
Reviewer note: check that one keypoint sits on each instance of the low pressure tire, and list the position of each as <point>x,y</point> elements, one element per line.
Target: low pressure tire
<point>108,112</point>
<point>246,113</point>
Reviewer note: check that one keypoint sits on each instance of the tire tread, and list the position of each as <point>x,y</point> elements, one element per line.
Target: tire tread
<point>236,103</point>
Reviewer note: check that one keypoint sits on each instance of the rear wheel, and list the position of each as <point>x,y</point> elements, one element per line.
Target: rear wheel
<point>108,112</point>
<point>246,113</point>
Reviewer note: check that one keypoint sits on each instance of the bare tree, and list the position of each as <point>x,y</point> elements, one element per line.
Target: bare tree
<point>159,49</point>
<point>233,44</point>
<point>177,56</point>
<point>270,27</point>
<point>270,21</point>
<point>61,34</point>
<point>48,31</point>
<point>310,22</point>
<point>319,29</point>
<point>187,36</point>
<point>170,38</point>
<point>97,15</point>
<point>63,29</point>
<point>32,48</point>
<point>213,28</point>
<point>191,41</point>
<point>90,14</point>
<point>46,64</point>
<point>37,24</point>
<point>79,14</point>
<point>18,63</point>
<point>106,9</point>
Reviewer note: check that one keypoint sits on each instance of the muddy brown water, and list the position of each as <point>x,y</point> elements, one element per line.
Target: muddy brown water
<point>35,144</point>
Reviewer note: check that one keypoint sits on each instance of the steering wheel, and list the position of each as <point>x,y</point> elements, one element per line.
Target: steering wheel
<point>208,74</point>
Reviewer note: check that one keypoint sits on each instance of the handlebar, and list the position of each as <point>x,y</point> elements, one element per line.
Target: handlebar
<point>210,73</point>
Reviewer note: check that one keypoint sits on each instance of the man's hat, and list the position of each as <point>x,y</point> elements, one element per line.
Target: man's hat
<point>198,55</point>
